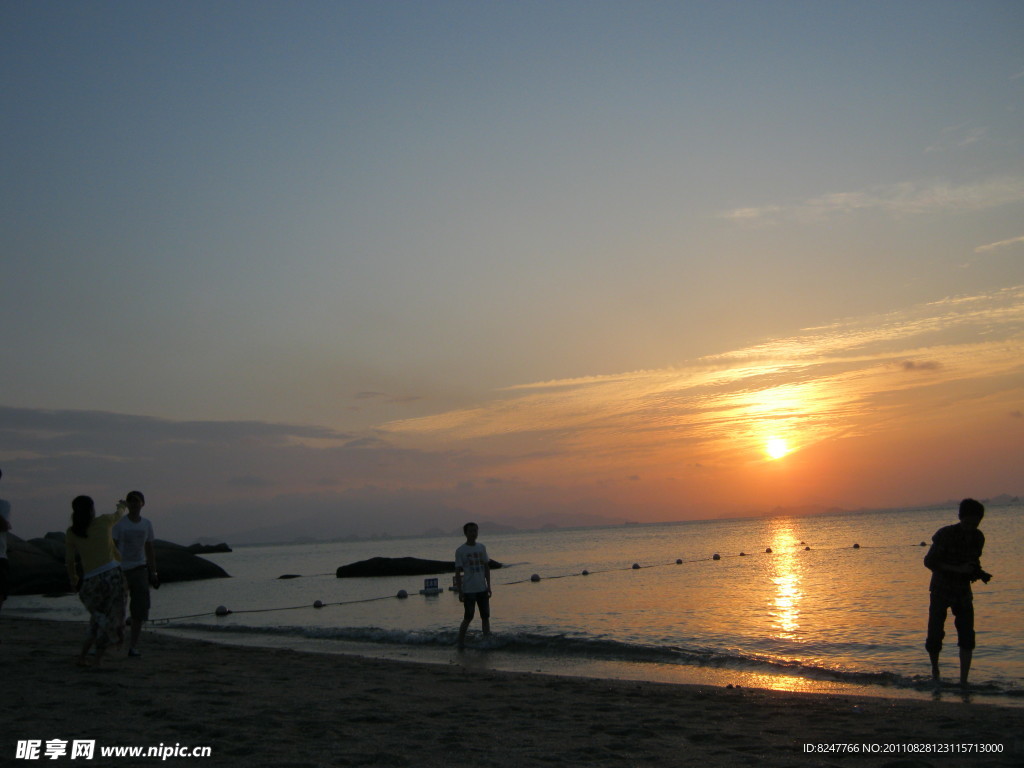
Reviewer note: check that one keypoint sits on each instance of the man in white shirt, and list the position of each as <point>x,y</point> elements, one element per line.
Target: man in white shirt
<point>133,535</point>
<point>473,581</point>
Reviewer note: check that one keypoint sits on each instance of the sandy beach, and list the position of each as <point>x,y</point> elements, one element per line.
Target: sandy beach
<point>255,707</point>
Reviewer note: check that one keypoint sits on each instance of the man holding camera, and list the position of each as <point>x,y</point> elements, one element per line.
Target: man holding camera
<point>955,561</point>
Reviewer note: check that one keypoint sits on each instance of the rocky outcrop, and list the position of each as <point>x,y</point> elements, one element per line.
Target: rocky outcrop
<point>206,549</point>
<point>398,566</point>
<point>178,563</point>
<point>36,570</point>
<point>37,565</point>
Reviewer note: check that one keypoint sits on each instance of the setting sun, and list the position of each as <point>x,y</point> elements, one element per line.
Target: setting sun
<point>776,448</point>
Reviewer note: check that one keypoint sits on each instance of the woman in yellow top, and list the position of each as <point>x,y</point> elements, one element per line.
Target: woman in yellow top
<point>102,589</point>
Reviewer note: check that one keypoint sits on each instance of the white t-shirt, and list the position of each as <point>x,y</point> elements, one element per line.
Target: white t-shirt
<point>131,541</point>
<point>5,512</point>
<point>472,559</point>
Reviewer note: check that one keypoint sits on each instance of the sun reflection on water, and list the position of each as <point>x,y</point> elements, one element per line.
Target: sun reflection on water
<point>785,569</point>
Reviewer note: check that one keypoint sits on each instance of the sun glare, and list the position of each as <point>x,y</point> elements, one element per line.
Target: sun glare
<point>776,448</point>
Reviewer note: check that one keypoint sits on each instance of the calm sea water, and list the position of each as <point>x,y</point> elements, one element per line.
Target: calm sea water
<point>814,614</point>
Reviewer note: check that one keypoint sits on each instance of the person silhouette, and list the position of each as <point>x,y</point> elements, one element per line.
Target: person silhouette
<point>473,581</point>
<point>133,535</point>
<point>955,562</point>
<point>101,586</point>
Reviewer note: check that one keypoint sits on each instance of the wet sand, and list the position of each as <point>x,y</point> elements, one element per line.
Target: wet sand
<point>267,707</point>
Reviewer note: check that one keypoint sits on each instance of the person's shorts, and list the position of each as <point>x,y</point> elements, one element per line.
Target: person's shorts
<point>472,599</point>
<point>962,605</point>
<point>138,592</point>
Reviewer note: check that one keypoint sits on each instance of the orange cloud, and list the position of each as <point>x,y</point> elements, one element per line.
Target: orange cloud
<point>891,374</point>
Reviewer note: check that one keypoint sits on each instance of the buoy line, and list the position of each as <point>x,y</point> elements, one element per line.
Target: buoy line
<point>716,557</point>
<point>402,594</point>
<point>222,611</point>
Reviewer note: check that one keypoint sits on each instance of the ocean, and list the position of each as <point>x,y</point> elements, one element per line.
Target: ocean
<point>838,604</point>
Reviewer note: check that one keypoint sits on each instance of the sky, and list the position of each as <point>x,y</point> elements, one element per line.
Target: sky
<point>331,268</point>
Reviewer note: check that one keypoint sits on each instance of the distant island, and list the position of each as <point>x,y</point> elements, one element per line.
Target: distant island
<point>539,524</point>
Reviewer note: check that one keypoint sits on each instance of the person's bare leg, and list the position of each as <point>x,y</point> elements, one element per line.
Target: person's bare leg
<point>136,632</point>
<point>83,657</point>
<point>966,654</point>
<point>935,666</point>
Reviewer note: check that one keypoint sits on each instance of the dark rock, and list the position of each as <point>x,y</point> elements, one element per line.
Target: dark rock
<point>37,566</point>
<point>53,547</point>
<point>206,549</point>
<point>177,563</point>
<point>35,571</point>
<point>399,566</point>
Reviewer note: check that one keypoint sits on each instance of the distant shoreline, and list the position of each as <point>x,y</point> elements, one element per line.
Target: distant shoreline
<point>498,529</point>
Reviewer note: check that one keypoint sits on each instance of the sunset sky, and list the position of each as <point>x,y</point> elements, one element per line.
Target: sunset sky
<point>320,268</point>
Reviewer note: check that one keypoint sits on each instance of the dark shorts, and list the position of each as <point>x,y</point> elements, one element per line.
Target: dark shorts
<point>138,592</point>
<point>962,606</point>
<point>472,599</point>
<point>5,571</point>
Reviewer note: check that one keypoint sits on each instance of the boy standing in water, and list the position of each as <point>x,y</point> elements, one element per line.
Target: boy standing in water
<point>955,561</point>
<point>473,581</point>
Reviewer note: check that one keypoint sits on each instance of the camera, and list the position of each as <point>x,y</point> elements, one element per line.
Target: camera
<point>985,576</point>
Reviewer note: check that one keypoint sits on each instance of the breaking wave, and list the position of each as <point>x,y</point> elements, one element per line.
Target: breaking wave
<point>598,649</point>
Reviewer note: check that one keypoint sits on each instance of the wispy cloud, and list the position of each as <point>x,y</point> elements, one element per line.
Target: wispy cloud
<point>368,395</point>
<point>542,444</point>
<point>851,377</point>
<point>1000,244</point>
<point>245,481</point>
<point>906,198</point>
<point>958,137</point>
<point>384,397</point>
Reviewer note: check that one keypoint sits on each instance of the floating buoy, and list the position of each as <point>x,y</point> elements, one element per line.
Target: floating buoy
<point>768,551</point>
<point>586,572</point>
<point>743,554</point>
<point>535,577</point>
<point>802,543</point>
<point>807,549</point>
<point>922,544</point>
<point>716,556</point>
<point>636,566</point>
<point>402,594</point>
<point>222,611</point>
<point>318,604</point>
<point>679,561</point>
<point>856,546</point>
